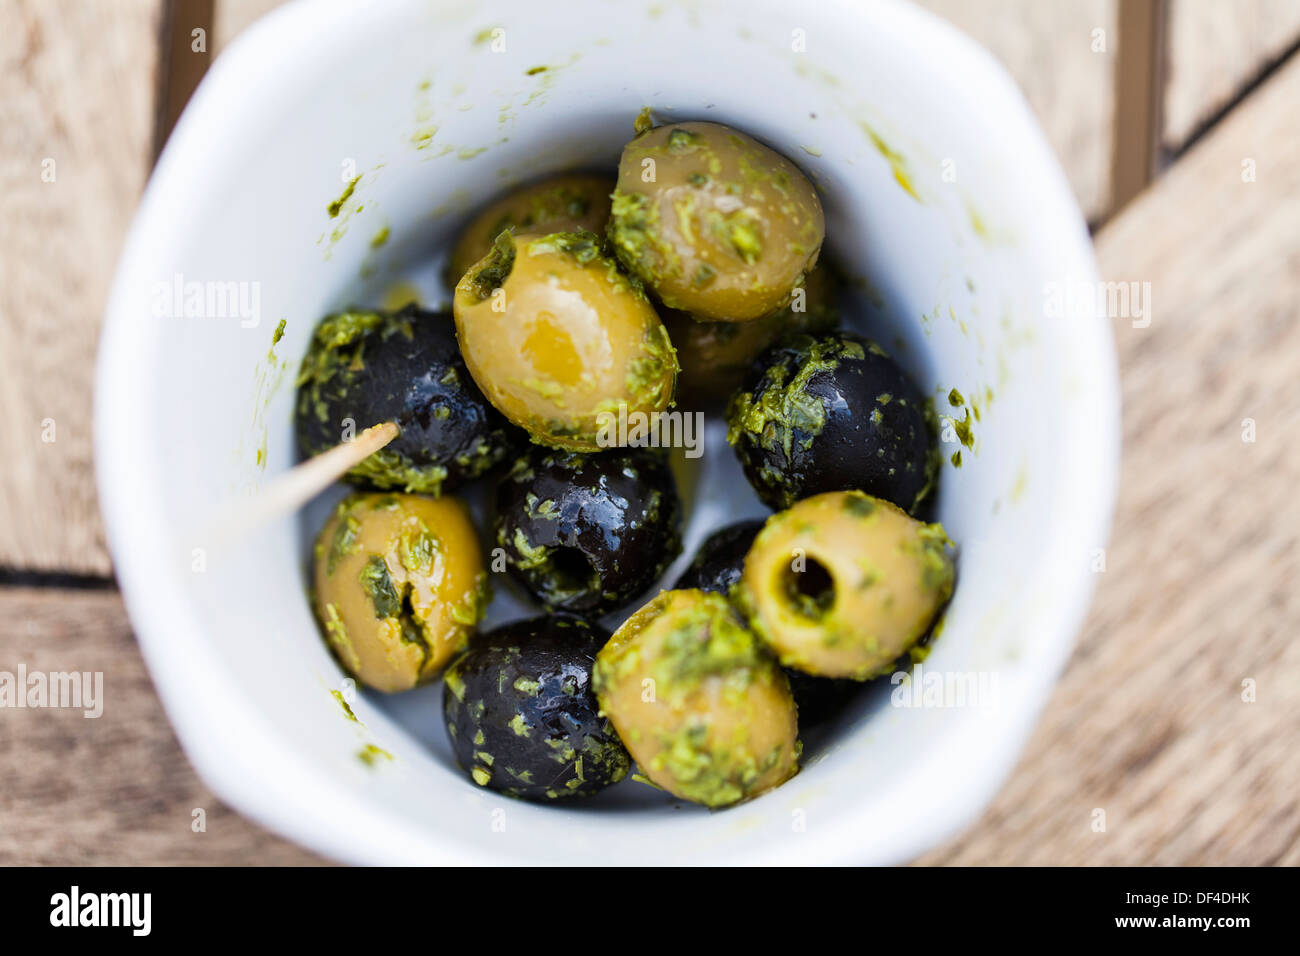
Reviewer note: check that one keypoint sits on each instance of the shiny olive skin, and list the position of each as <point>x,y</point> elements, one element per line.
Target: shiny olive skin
<point>567,203</point>
<point>365,368</point>
<point>833,413</point>
<point>560,340</point>
<point>819,698</point>
<point>714,222</point>
<point>715,356</point>
<point>521,714</point>
<point>588,533</point>
<point>717,566</point>
<point>721,559</point>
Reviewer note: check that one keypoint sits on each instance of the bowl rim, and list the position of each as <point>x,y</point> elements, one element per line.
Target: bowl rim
<point>265,781</point>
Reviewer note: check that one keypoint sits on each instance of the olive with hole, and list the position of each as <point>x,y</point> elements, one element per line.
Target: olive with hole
<point>842,584</point>
<point>570,202</point>
<point>398,586</point>
<point>522,717</point>
<point>561,341</point>
<point>715,356</point>
<point>714,222</point>
<point>702,707</point>
<point>718,566</point>
<point>588,533</point>
<point>832,413</point>
<point>365,368</point>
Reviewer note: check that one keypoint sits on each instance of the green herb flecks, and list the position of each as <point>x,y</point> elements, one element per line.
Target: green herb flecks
<point>336,206</point>
<point>378,586</point>
<point>497,268</point>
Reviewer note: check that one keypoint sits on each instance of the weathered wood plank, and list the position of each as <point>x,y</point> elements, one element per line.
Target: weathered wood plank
<point>76,121</point>
<point>1139,71</point>
<point>1199,593</point>
<point>1215,50</point>
<point>233,16</point>
<point>184,53</point>
<point>115,789</point>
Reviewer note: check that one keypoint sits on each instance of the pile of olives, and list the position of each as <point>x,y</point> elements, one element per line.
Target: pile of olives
<point>692,277</point>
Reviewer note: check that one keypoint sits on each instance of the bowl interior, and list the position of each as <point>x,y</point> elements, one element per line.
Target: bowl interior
<point>942,204</point>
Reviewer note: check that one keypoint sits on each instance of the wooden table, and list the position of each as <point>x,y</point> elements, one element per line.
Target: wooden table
<point>1178,711</point>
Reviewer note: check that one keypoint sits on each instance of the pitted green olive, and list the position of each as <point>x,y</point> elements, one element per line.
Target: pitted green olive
<point>567,203</point>
<point>703,708</point>
<point>842,583</point>
<point>715,356</point>
<point>558,339</point>
<point>399,586</point>
<point>714,222</point>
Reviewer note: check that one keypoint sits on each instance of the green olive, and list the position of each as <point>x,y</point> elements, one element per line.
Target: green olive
<point>714,356</point>
<point>701,706</point>
<point>567,203</point>
<point>399,586</point>
<point>558,339</point>
<point>841,584</point>
<point>714,222</point>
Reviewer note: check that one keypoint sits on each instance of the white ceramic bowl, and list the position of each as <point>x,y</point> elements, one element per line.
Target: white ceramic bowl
<point>940,193</point>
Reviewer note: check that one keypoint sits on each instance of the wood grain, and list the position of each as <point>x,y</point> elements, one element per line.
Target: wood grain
<point>1049,49</point>
<point>77,103</point>
<point>1138,86</point>
<point>113,789</point>
<point>1215,49</point>
<point>183,56</point>
<point>234,16</point>
<point>1199,590</point>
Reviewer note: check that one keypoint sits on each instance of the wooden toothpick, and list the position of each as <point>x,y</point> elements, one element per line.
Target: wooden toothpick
<point>290,491</point>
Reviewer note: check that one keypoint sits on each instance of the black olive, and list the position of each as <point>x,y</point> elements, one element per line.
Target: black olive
<point>716,567</point>
<point>721,558</point>
<point>832,413</point>
<point>371,367</point>
<point>522,716</point>
<point>820,698</point>
<point>588,532</point>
